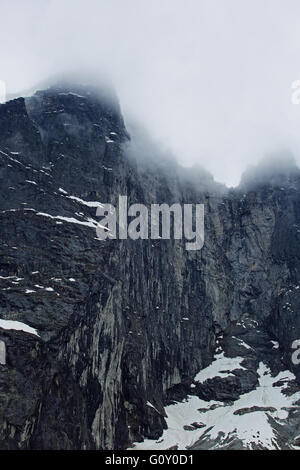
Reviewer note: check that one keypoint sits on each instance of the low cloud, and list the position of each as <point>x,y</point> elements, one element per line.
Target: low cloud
<point>211,80</point>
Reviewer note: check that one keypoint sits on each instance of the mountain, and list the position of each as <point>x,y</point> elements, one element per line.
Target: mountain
<point>114,344</point>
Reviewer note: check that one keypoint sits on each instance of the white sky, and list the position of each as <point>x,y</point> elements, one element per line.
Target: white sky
<point>211,79</point>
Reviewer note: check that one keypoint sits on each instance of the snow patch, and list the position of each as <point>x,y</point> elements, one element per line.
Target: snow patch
<point>220,367</point>
<point>221,421</point>
<point>86,203</point>
<point>17,325</point>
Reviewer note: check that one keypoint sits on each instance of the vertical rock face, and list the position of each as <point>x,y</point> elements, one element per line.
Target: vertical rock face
<point>124,326</point>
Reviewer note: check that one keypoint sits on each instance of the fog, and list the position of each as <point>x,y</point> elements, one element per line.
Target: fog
<point>209,79</point>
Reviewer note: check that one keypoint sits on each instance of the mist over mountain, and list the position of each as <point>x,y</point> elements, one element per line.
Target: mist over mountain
<point>140,343</point>
<point>210,80</point>
<point>277,169</point>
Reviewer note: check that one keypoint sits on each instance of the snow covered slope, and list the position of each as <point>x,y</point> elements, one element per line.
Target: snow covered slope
<point>261,418</point>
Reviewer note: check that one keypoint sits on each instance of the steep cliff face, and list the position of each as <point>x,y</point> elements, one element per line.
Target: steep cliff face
<point>117,329</point>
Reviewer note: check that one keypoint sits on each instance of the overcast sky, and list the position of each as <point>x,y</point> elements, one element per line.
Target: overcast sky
<point>210,79</point>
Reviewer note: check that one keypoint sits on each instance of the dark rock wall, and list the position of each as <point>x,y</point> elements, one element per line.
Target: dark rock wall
<point>124,322</point>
